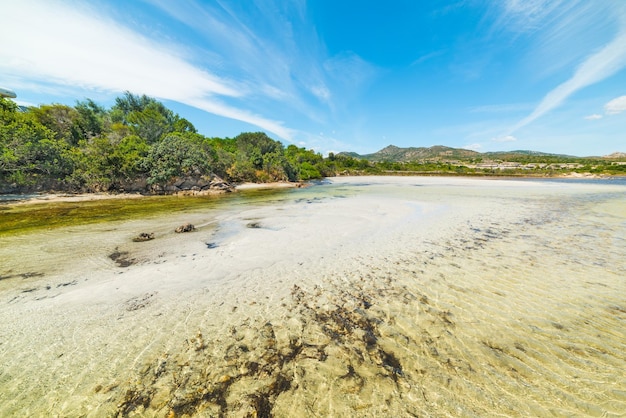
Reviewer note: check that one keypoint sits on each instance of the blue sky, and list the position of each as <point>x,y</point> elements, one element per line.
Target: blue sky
<point>340,75</point>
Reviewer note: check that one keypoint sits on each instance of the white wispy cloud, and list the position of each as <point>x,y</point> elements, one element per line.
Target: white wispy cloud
<point>473,147</point>
<point>527,15</point>
<point>595,116</point>
<point>615,106</point>
<point>596,67</point>
<point>268,46</point>
<point>505,138</point>
<point>349,69</point>
<point>73,45</point>
<point>273,48</point>
<point>274,45</point>
<point>428,57</point>
<point>563,33</point>
<point>321,91</point>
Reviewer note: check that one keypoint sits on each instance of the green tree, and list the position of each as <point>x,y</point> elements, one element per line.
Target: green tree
<point>242,170</point>
<point>178,155</point>
<point>151,123</point>
<point>307,164</point>
<point>92,120</point>
<point>60,119</point>
<point>127,157</point>
<point>95,169</point>
<point>308,171</point>
<point>264,154</point>
<point>30,153</point>
<point>183,125</point>
<point>147,117</point>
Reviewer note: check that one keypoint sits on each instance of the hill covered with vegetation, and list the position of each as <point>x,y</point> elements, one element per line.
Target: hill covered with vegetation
<point>439,159</point>
<point>395,154</point>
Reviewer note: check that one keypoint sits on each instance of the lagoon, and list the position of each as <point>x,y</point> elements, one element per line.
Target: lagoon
<point>359,296</point>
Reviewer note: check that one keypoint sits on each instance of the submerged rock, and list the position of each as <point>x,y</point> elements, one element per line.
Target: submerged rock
<point>144,236</point>
<point>122,258</point>
<point>185,228</point>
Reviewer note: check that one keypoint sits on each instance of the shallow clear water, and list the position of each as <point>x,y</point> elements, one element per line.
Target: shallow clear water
<point>364,297</point>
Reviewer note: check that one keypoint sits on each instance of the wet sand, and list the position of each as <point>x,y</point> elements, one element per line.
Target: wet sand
<point>273,185</point>
<point>30,199</point>
<point>366,297</point>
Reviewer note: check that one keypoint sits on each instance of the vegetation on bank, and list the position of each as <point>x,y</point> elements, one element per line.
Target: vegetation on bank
<point>140,144</point>
<point>441,160</point>
<point>504,168</point>
<point>137,141</point>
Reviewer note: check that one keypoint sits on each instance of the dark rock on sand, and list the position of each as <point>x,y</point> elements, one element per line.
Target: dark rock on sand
<point>144,236</point>
<point>185,228</point>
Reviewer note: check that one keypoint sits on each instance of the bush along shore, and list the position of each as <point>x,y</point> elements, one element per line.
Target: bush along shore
<point>138,145</point>
<point>141,146</point>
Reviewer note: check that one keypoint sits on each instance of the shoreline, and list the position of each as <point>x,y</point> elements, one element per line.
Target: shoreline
<point>273,185</point>
<point>55,197</point>
<point>485,175</point>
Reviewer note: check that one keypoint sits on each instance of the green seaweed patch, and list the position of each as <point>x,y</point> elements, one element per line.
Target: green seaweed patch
<point>22,219</point>
<point>18,219</point>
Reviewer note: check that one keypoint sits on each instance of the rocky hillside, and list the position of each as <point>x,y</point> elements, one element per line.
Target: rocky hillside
<point>392,153</point>
<point>397,154</point>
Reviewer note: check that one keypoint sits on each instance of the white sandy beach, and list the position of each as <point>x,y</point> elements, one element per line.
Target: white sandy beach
<point>370,296</point>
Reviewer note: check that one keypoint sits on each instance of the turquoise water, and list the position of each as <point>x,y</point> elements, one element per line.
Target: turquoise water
<point>362,297</point>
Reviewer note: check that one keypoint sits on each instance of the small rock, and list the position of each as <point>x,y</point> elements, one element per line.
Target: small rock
<point>144,236</point>
<point>185,228</point>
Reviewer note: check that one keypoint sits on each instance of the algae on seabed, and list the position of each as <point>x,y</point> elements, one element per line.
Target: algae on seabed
<point>19,218</point>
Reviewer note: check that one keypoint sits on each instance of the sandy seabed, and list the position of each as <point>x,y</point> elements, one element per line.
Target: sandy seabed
<point>368,296</point>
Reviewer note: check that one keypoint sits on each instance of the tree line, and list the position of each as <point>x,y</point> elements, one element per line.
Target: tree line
<point>86,147</point>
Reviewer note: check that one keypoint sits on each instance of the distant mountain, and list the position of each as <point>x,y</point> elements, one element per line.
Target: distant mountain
<point>397,154</point>
<point>392,153</point>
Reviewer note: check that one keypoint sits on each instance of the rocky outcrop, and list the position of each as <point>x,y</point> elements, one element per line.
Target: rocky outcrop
<point>137,185</point>
<point>44,187</point>
<point>197,185</point>
<point>194,185</point>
